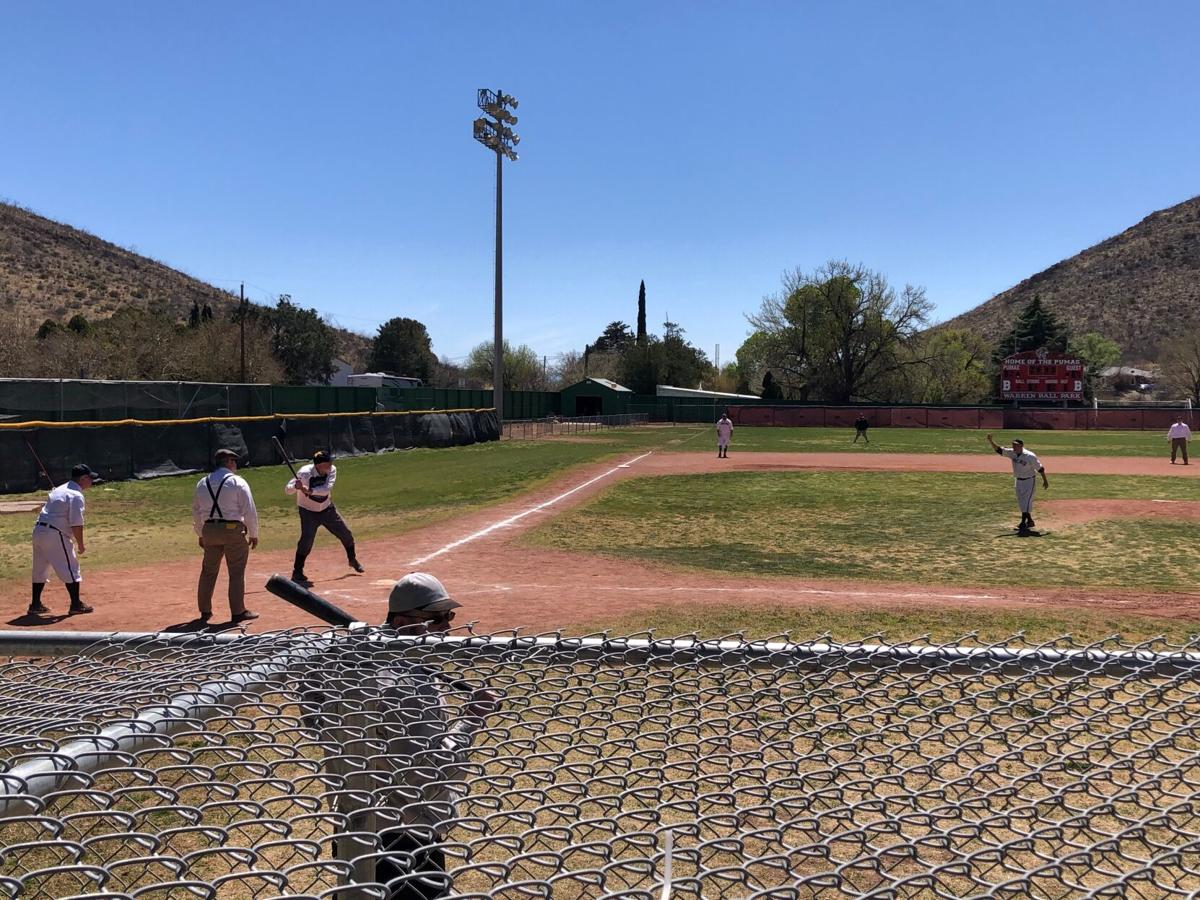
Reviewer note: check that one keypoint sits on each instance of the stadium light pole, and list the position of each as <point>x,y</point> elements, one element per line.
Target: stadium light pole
<point>493,131</point>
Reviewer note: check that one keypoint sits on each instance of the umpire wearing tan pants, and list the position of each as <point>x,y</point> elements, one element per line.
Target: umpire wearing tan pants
<point>226,522</point>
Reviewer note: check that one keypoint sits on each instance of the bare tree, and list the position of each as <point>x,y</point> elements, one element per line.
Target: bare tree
<point>1180,362</point>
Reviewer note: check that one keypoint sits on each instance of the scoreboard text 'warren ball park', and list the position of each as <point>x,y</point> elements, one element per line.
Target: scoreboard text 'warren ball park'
<point>1041,375</point>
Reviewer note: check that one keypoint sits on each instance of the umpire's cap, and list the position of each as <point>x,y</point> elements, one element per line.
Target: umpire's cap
<point>420,591</point>
<point>225,453</point>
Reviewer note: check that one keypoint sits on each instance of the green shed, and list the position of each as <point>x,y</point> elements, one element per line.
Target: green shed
<point>596,397</point>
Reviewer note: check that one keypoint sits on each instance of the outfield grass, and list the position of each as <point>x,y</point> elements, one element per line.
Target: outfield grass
<point>809,621</point>
<point>884,526</point>
<point>135,522</point>
<point>940,440</point>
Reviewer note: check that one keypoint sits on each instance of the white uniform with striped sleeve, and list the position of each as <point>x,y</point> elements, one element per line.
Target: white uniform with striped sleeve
<point>53,545</point>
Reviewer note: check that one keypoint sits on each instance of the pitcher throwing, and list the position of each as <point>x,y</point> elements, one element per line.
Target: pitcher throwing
<point>1026,468</point>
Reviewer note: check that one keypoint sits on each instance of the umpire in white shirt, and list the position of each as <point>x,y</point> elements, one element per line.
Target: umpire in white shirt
<point>313,487</point>
<point>56,537</point>
<point>1179,435</point>
<point>226,522</point>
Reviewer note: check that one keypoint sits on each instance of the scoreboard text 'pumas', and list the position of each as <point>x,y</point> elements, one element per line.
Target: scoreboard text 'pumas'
<point>1041,375</point>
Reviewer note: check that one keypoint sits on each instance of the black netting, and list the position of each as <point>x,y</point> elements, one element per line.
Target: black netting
<point>120,452</point>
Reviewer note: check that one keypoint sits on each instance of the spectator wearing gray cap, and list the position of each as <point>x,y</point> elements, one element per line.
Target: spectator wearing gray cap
<point>416,712</point>
<point>57,536</point>
<point>226,522</point>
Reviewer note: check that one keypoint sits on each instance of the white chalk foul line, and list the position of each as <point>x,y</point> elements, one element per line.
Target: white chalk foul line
<point>496,526</point>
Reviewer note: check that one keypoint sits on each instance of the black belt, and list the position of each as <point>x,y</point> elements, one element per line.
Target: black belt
<point>1026,478</point>
<point>224,521</point>
<point>46,525</point>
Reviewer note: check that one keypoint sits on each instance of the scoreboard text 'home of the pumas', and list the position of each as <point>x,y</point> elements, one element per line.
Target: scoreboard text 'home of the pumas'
<point>1041,375</point>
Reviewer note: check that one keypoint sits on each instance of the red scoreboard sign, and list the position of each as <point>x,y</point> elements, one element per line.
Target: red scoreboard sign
<point>1041,375</point>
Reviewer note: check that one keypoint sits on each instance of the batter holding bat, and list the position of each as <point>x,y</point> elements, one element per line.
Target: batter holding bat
<point>313,487</point>
<point>1026,468</point>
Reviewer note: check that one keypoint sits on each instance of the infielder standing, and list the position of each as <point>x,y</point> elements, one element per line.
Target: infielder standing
<point>313,486</point>
<point>56,536</point>
<point>1179,436</point>
<point>724,433</point>
<point>1026,468</point>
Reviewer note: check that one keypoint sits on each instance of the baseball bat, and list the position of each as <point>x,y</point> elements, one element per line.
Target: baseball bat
<point>41,468</point>
<point>302,598</point>
<point>284,454</point>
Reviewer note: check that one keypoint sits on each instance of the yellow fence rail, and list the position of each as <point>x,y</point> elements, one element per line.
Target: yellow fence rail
<point>371,414</point>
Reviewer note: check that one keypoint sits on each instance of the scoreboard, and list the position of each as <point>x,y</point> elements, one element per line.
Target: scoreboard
<point>1041,375</point>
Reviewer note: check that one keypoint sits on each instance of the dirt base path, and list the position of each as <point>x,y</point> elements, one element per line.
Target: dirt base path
<point>505,586</point>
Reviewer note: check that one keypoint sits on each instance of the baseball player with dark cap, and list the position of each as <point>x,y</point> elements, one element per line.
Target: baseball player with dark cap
<point>57,536</point>
<point>313,487</point>
<point>1026,468</point>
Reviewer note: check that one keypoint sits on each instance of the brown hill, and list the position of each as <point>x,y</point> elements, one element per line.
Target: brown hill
<point>53,271</point>
<point>1139,288</point>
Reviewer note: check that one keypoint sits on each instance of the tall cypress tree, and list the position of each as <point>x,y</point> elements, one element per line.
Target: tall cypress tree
<point>641,322</point>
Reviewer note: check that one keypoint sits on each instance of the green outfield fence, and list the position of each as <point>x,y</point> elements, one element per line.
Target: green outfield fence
<point>74,400</point>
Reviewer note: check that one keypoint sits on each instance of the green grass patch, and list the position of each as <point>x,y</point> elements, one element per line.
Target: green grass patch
<point>883,526</point>
<point>135,522</point>
<point>810,621</point>
<point>941,440</point>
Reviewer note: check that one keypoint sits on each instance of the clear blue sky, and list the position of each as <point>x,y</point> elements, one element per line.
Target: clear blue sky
<point>324,150</point>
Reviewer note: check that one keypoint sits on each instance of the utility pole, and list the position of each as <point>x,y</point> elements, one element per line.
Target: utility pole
<point>495,134</point>
<point>717,355</point>
<point>242,322</point>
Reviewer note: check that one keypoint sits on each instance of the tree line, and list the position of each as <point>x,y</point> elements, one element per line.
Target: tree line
<point>839,333</point>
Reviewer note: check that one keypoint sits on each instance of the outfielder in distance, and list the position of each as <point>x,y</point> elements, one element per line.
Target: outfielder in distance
<point>313,487</point>
<point>1026,468</point>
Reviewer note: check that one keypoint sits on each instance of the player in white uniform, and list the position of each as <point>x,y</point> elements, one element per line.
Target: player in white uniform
<point>724,433</point>
<point>313,487</point>
<point>1026,468</point>
<point>57,536</point>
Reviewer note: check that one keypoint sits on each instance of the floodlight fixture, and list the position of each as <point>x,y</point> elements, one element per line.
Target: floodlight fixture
<point>493,131</point>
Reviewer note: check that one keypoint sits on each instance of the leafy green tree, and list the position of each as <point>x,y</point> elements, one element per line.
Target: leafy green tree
<point>666,360</point>
<point>403,347</point>
<point>770,387</point>
<point>78,324</point>
<point>1097,353</point>
<point>954,369</point>
<point>47,328</point>
<point>522,367</point>
<point>839,333</point>
<point>1035,327</point>
<point>302,342</point>
<point>616,338</point>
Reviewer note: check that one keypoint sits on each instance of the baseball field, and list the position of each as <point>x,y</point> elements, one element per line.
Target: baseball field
<point>798,531</point>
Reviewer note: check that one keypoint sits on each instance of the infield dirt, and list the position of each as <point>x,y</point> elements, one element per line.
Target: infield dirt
<point>506,586</point>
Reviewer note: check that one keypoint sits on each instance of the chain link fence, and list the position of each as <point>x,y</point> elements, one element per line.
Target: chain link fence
<point>561,425</point>
<point>363,764</point>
